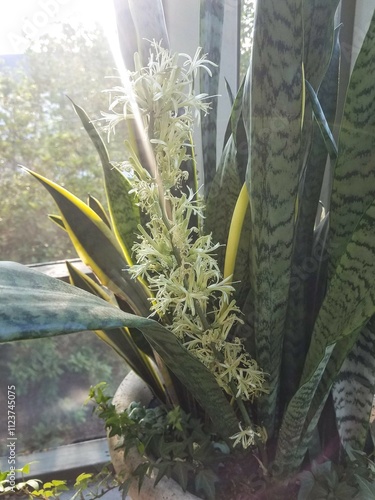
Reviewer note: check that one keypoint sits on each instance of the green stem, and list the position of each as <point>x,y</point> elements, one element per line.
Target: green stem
<point>240,405</point>
<point>178,258</point>
<point>205,323</point>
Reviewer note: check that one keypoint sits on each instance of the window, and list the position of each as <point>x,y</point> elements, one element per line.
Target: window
<point>50,50</point>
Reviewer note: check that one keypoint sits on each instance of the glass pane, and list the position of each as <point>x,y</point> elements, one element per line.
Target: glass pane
<point>39,129</point>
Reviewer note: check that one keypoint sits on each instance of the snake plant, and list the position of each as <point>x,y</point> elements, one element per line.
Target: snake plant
<point>286,285</point>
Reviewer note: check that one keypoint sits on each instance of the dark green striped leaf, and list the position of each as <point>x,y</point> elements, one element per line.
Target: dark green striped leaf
<point>34,305</point>
<point>125,214</point>
<point>347,307</point>
<point>318,37</point>
<point>354,173</point>
<point>339,353</point>
<point>309,257</point>
<point>354,389</point>
<point>272,113</point>
<point>329,141</point>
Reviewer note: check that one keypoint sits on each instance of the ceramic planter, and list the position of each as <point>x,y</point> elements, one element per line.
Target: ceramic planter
<point>131,389</point>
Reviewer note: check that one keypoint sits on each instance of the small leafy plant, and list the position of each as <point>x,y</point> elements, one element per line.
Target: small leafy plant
<point>354,479</point>
<point>171,442</point>
<point>31,488</point>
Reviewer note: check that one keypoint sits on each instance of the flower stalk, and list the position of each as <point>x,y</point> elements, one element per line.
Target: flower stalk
<point>174,255</point>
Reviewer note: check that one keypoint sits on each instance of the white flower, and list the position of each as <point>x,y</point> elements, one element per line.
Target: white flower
<point>246,437</point>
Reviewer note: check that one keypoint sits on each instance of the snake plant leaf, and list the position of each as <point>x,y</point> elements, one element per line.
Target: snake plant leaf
<point>84,282</point>
<point>354,173</point>
<point>126,33</point>
<point>123,208</point>
<point>319,278</point>
<point>230,92</point>
<point>229,179</point>
<point>309,255</point>
<point>236,130</point>
<point>149,22</point>
<point>57,220</point>
<point>211,34</point>
<point>33,305</point>
<point>272,113</point>
<point>349,303</point>
<point>239,133</point>
<point>341,350</point>
<point>353,190</point>
<point>318,21</point>
<point>354,388</point>
<point>45,306</point>
<point>329,88</point>
<point>348,306</point>
<point>236,111</point>
<point>228,130</point>
<point>95,205</point>
<point>219,212</point>
<point>119,339</point>
<point>219,209</point>
<point>315,167</point>
<point>305,298</point>
<point>139,21</point>
<point>312,179</point>
<point>328,138</point>
<point>96,246</point>
<point>124,211</point>
<point>350,374</point>
<point>354,419</point>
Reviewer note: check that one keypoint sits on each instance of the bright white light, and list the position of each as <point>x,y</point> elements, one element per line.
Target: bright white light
<point>24,21</point>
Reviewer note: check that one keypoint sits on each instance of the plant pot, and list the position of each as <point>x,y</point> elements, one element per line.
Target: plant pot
<point>131,389</point>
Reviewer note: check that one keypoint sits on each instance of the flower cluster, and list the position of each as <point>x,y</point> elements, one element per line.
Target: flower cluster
<point>173,255</point>
<point>162,94</point>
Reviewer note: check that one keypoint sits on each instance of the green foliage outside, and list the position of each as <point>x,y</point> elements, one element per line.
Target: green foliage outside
<point>86,485</point>
<point>38,129</point>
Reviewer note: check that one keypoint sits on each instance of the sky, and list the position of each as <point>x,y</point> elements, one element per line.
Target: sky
<point>25,20</point>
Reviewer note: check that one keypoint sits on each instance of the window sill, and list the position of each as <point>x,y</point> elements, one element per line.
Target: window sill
<point>64,459</point>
